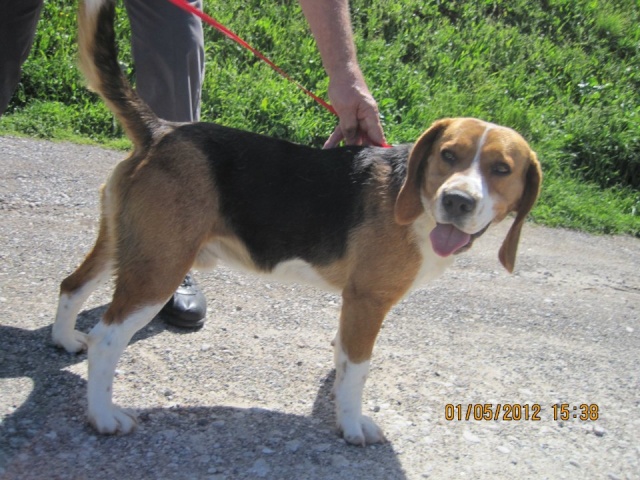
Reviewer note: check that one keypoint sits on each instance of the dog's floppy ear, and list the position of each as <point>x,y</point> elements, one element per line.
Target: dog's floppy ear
<point>409,203</point>
<point>533,182</point>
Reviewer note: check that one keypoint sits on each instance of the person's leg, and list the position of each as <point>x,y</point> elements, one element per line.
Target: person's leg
<point>168,51</point>
<point>18,20</point>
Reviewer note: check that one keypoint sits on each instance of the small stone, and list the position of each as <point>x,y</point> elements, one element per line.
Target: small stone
<point>503,449</point>
<point>260,468</point>
<point>169,434</point>
<point>292,446</point>
<point>470,437</point>
<point>599,431</point>
<point>339,461</point>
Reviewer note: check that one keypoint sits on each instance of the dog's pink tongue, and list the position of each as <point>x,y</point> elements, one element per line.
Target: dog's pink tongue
<point>446,239</point>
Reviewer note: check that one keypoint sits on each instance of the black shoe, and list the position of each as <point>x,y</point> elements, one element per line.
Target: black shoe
<point>188,307</point>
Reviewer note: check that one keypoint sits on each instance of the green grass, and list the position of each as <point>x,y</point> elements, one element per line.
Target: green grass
<point>565,73</point>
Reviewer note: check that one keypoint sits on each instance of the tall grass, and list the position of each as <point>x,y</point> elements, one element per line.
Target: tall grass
<point>565,73</point>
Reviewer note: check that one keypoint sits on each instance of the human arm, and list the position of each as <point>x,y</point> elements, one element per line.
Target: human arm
<point>357,110</point>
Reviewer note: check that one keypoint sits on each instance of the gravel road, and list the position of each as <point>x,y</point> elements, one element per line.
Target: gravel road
<point>248,396</point>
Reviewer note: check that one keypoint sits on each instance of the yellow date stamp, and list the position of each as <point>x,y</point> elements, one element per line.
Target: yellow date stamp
<point>516,412</point>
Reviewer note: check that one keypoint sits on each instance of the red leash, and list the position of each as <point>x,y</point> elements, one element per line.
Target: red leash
<point>221,28</point>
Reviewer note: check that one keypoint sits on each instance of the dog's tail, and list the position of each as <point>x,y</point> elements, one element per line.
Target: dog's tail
<point>99,63</point>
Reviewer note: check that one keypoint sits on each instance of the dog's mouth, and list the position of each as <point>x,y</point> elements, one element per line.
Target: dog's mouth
<point>447,239</point>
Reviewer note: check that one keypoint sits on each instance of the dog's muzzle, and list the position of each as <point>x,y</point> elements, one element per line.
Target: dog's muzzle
<point>473,237</point>
<point>457,203</point>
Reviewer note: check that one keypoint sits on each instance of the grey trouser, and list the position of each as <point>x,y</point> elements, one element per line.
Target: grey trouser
<point>168,50</point>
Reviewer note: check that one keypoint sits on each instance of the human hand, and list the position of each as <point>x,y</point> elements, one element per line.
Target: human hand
<point>357,111</point>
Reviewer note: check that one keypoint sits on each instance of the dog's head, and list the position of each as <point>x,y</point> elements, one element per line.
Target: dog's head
<point>467,174</point>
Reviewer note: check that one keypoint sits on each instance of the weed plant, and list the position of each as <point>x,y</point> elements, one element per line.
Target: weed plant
<point>565,73</point>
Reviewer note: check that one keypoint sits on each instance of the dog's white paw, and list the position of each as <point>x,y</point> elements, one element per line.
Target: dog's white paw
<point>114,420</point>
<point>361,431</point>
<point>73,343</point>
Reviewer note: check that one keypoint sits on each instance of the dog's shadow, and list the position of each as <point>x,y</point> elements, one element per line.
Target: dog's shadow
<point>45,435</point>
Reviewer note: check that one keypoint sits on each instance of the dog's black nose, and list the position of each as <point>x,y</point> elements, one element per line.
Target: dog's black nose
<point>458,203</point>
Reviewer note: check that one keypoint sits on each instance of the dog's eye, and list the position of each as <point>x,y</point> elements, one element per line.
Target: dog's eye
<point>501,169</point>
<point>448,157</point>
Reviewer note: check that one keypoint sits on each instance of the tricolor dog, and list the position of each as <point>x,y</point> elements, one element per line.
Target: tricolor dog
<point>372,223</point>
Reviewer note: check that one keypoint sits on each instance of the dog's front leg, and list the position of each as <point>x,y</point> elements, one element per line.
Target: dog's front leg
<point>360,322</point>
<point>356,428</point>
<point>106,344</point>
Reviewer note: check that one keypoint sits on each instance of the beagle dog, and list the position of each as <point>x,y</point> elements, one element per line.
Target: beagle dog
<point>372,223</point>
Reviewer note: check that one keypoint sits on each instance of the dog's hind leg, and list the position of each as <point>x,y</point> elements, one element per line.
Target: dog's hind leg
<point>144,283</point>
<point>106,344</point>
<point>76,288</point>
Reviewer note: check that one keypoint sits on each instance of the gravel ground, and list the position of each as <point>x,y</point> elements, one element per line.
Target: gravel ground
<point>248,396</point>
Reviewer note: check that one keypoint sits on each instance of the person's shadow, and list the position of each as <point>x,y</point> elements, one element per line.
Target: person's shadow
<point>46,435</point>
